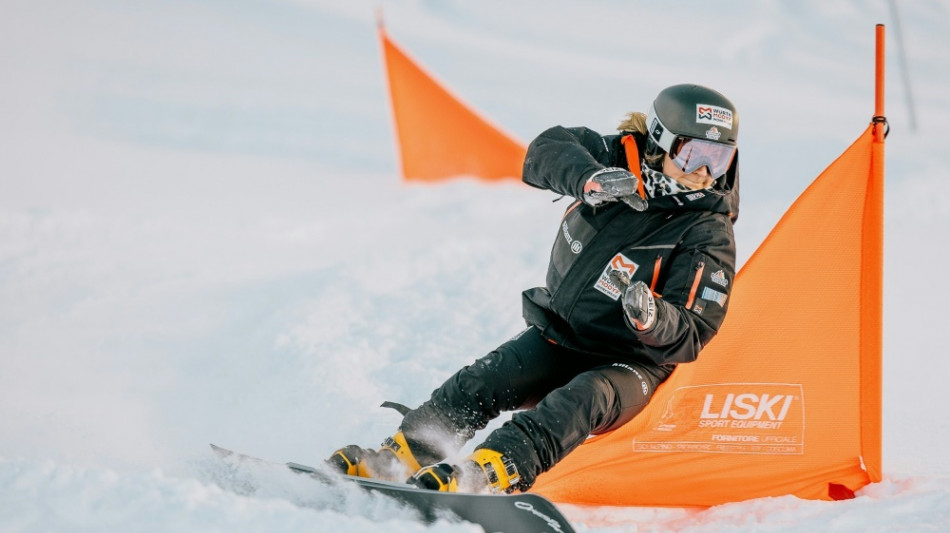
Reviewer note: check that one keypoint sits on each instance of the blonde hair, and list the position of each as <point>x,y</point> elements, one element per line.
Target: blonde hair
<point>635,121</point>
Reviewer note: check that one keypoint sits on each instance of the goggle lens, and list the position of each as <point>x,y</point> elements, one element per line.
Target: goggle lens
<point>691,154</point>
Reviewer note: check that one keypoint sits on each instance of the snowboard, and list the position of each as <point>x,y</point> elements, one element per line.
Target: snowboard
<point>495,513</point>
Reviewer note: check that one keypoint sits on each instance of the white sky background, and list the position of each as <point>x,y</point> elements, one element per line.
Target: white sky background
<point>203,237</point>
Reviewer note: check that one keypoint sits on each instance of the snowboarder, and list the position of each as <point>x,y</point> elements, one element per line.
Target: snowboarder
<point>638,282</point>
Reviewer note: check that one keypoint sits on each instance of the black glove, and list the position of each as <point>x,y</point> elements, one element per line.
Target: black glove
<point>611,184</point>
<point>637,300</point>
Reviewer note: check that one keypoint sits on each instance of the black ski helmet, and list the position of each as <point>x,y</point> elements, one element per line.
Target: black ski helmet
<point>689,111</point>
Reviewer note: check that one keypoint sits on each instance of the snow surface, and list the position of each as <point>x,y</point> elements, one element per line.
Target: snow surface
<point>203,237</point>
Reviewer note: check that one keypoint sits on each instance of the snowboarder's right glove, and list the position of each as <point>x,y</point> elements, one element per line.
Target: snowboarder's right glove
<point>638,302</point>
<point>611,184</point>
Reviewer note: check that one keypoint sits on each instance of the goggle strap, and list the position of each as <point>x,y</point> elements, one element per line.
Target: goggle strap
<point>660,134</point>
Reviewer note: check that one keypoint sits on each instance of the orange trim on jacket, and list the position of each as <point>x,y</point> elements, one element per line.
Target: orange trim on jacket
<point>633,161</point>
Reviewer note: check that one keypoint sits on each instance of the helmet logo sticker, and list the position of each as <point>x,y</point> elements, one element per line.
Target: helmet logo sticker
<point>714,115</point>
<point>713,134</point>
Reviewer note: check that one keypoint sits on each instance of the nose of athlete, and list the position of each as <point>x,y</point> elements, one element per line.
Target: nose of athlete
<point>697,179</point>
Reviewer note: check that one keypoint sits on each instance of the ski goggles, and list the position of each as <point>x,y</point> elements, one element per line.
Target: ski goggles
<point>690,154</point>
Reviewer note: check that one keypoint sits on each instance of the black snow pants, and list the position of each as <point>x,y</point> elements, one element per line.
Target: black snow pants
<point>563,397</point>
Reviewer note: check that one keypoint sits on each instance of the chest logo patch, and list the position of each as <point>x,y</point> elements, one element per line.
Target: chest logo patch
<point>619,262</point>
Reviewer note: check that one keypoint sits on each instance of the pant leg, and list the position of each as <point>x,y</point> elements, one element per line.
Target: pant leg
<point>593,402</point>
<point>516,375</point>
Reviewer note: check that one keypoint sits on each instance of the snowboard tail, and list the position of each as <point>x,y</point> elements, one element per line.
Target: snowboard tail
<point>493,512</point>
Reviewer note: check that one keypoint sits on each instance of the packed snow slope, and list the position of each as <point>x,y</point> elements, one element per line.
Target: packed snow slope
<point>203,236</point>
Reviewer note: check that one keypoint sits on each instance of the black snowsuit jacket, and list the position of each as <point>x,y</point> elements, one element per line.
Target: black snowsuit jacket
<point>682,246</point>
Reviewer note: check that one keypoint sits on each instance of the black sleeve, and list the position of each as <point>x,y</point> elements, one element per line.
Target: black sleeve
<point>695,297</point>
<point>561,159</point>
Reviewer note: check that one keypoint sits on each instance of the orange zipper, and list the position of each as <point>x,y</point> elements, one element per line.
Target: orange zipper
<point>656,273</point>
<point>699,276</point>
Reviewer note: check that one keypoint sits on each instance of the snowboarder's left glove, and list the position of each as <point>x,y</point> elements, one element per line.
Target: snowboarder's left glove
<point>638,302</point>
<point>611,184</point>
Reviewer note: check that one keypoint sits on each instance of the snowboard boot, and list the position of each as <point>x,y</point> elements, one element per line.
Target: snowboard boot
<point>483,470</point>
<point>393,461</point>
<point>346,460</point>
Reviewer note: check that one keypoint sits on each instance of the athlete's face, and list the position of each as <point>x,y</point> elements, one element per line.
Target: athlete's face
<point>698,179</point>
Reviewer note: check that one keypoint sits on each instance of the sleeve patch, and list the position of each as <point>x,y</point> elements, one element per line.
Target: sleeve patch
<point>712,295</point>
<point>719,278</point>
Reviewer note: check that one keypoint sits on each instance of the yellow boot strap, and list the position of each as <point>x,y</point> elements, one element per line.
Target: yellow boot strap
<point>500,471</point>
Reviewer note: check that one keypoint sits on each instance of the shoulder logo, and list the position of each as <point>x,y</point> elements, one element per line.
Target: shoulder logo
<point>576,246</point>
